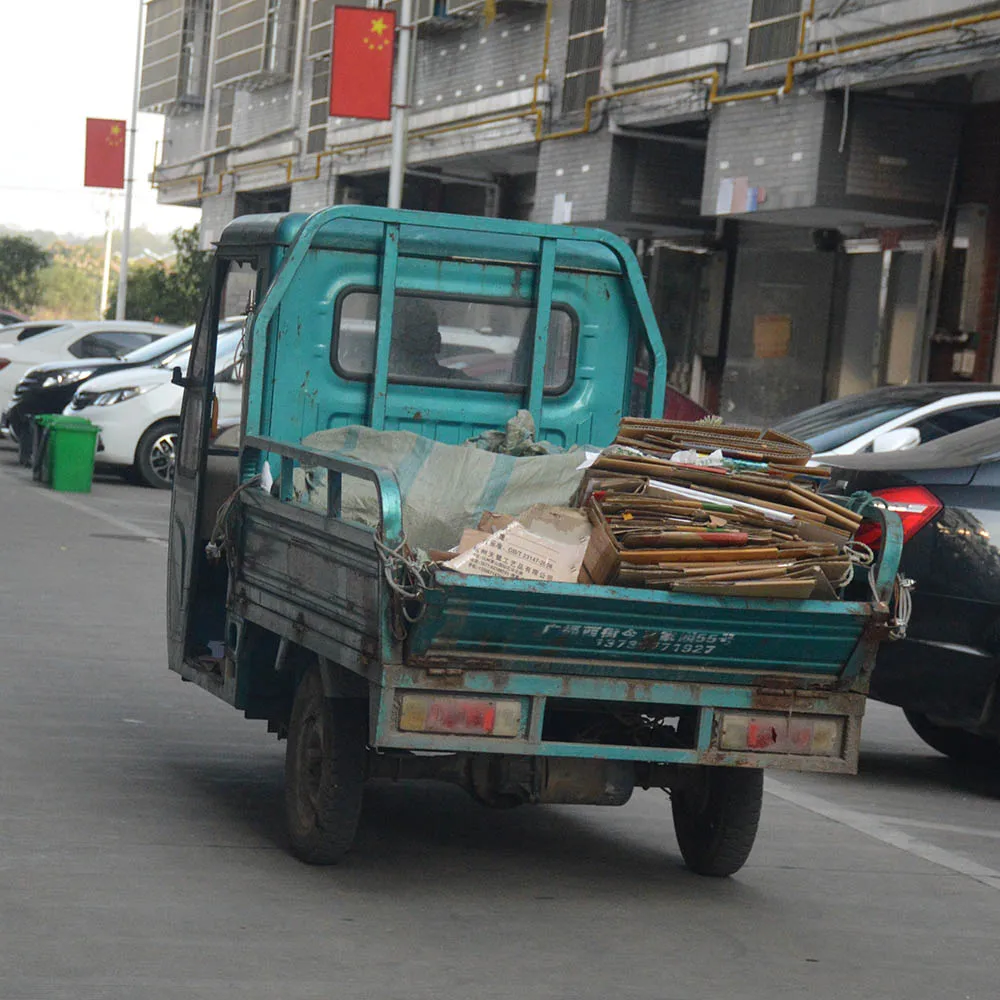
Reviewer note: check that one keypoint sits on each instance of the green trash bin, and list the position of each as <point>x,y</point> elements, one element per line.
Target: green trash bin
<point>72,445</point>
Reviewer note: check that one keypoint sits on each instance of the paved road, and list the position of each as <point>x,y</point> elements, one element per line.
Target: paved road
<point>142,852</point>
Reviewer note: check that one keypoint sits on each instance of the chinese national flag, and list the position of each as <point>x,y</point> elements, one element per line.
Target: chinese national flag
<point>105,160</point>
<point>361,66</point>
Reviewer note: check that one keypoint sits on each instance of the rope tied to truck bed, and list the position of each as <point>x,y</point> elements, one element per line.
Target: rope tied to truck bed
<point>901,600</point>
<point>218,543</point>
<point>408,579</point>
<point>901,604</point>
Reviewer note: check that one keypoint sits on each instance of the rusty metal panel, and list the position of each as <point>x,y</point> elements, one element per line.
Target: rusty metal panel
<point>615,632</point>
<point>317,581</point>
<point>615,695</point>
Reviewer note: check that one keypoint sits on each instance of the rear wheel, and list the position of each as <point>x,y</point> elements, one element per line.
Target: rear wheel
<point>960,745</point>
<point>155,453</point>
<point>324,772</point>
<point>716,813</point>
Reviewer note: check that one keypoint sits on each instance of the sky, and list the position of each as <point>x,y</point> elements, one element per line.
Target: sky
<point>62,62</point>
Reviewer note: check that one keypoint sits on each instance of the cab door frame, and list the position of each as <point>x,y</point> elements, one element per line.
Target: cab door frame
<point>189,470</point>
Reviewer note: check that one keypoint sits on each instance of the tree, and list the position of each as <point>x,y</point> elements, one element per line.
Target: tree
<point>21,259</point>
<point>148,298</point>
<point>171,293</point>
<point>68,292</point>
<point>192,268</point>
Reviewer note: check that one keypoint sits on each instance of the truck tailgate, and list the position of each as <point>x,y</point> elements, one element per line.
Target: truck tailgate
<point>475,622</point>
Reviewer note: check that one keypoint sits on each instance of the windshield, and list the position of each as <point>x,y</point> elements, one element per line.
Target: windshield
<point>835,423</point>
<point>175,349</point>
<point>155,349</point>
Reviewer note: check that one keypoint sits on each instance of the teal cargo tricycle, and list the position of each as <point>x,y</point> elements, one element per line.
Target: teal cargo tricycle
<point>519,691</point>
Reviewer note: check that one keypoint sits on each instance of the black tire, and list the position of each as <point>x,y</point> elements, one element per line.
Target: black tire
<point>716,816</point>
<point>324,772</point>
<point>958,744</point>
<point>154,455</point>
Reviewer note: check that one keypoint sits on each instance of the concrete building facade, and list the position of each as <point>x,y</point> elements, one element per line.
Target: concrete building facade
<point>811,185</point>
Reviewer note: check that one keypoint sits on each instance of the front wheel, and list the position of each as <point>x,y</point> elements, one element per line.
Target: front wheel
<point>958,744</point>
<point>716,813</point>
<point>324,772</point>
<point>155,455</point>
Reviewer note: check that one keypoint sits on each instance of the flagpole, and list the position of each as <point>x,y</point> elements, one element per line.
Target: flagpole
<point>106,276</point>
<point>130,174</point>
<point>401,105</point>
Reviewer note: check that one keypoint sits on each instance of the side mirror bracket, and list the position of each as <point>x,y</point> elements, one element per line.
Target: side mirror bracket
<point>177,378</point>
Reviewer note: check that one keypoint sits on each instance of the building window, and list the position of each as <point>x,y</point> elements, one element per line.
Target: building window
<point>194,42</point>
<point>224,125</point>
<point>423,10</point>
<point>584,52</point>
<point>320,28</point>
<point>254,39</point>
<point>175,46</point>
<point>319,106</point>
<point>279,35</point>
<point>775,27</point>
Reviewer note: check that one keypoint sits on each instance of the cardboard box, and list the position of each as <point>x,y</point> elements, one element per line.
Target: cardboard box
<point>491,523</point>
<point>601,561</point>
<point>548,545</point>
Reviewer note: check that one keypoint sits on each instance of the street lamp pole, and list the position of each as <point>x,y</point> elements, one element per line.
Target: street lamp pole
<point>401,104</point>
<point>130,174</point>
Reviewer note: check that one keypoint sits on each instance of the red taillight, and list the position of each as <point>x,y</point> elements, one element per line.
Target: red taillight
<point>915,507</point>
<point>3,363</point>
<point>458,716</point>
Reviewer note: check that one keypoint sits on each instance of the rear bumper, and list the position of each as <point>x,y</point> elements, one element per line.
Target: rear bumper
<point>949,682</point>
<point>539,692</point>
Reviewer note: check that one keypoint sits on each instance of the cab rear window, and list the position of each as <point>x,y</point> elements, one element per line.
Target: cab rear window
<point>458,342</point>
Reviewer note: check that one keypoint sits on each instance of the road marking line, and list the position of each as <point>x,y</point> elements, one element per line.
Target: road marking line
<point>924,824</point>
<point>120,522</point>
<point>878,830</point>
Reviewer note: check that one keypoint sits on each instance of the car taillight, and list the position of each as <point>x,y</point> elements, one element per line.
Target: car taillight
<point>3,363</point>
<point>915,507</point>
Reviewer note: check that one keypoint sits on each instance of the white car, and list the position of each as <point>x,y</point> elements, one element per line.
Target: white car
<point>892,418</point>
<point>17,333</point>
<point>96,339</point>
<point>138,410</point>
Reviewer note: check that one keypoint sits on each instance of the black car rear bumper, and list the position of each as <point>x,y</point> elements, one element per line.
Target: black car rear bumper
<point>950,682</point>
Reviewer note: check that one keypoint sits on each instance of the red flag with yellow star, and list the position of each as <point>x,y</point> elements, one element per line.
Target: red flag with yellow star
<point>104,165</point>
<point>361,65</point>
